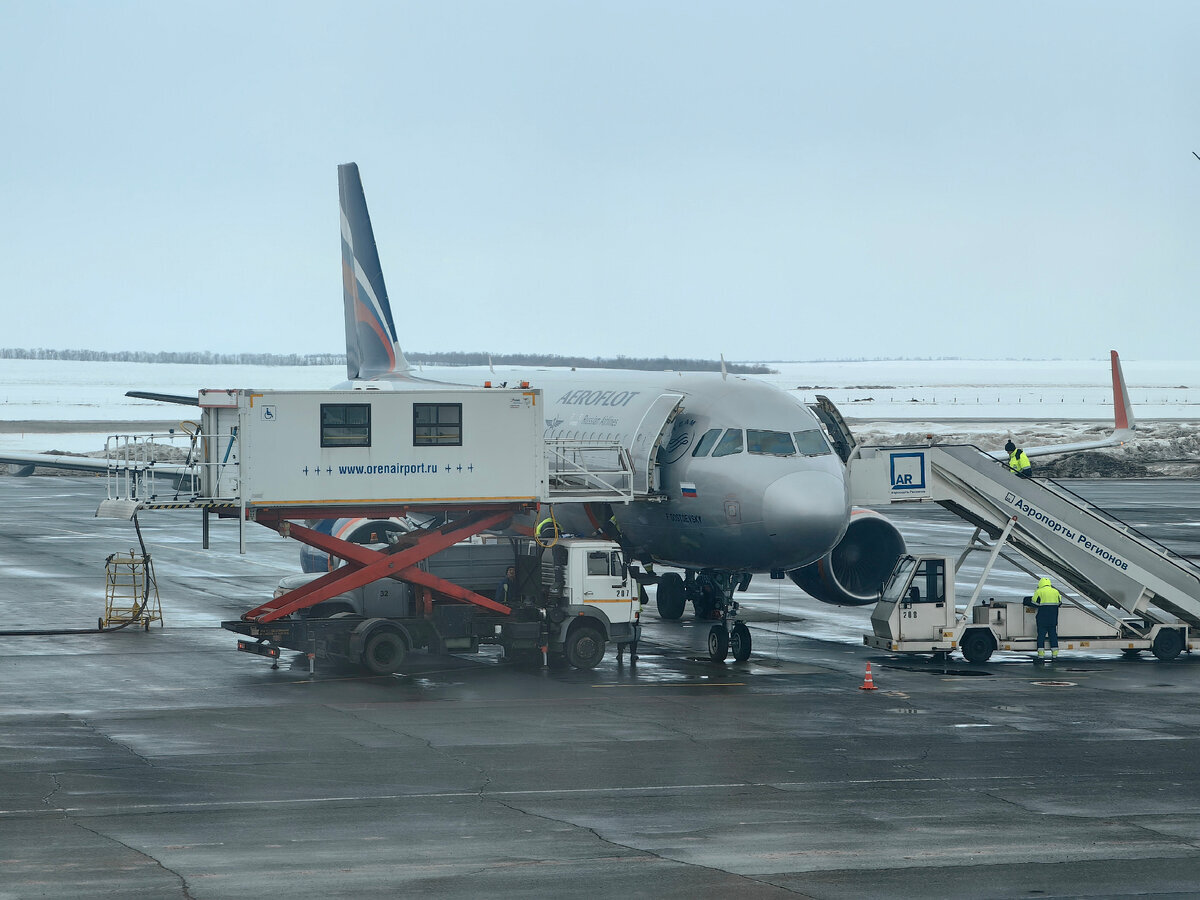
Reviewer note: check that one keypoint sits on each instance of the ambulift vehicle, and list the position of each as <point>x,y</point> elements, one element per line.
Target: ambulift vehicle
<point>571,602</point>
<point>916,613</point>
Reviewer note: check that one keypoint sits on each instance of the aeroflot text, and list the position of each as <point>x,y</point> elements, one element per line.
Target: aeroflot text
<point>1082,540</point>
<point>598,398</point>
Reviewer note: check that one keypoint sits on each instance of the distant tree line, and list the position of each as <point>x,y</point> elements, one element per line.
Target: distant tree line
<point>646,363</point>
<point>207,358</point>
<point>192,357</point>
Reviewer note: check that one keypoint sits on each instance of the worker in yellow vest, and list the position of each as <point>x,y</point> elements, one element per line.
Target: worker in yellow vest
<point>1047,600</point>
<point>1018,461</point>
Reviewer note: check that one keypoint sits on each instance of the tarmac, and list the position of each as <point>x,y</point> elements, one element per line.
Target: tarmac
<point>163,763</point>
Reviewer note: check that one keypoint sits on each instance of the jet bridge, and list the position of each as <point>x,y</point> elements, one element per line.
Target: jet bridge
<point>1087,549</point>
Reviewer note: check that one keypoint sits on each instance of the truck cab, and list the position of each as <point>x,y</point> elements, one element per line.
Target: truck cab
<point>917,600</point>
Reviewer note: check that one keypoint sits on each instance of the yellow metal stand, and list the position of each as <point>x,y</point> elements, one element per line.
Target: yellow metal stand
<point>130,592</point>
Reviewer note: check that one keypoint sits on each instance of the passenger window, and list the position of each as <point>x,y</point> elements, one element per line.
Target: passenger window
<point>731,443</point>
<point>345,425</point>
<point>437,424</point>
<point>812,443</point>
<point>773,443</point>
<point>706,442</point>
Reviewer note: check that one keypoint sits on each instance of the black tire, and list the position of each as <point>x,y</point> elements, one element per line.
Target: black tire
<point>718,643</point>
<point>977,646</point>
<point>671,597</point>
<point>384,653</point>
<point>739,642</point>
<point>1168,644</point>
<point>1130,653</point>
<point>585,647</point>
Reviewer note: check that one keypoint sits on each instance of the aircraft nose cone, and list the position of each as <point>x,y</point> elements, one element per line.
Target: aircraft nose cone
<point>805,514</point>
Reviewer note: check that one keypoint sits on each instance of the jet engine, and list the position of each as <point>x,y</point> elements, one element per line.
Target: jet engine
<point>358,531</point>
<point>852,573</point>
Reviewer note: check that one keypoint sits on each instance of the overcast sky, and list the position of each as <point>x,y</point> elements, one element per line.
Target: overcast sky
<point>787,180</point>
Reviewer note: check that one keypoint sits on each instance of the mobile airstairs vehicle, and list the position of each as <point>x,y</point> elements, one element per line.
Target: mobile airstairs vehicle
<point>461,460</point>
<point>1121,590</point>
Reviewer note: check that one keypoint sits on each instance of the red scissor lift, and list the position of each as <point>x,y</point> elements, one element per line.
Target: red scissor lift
<point>381,644</point>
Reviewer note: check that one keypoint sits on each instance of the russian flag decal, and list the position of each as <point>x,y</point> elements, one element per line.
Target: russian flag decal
<point>687,489</point>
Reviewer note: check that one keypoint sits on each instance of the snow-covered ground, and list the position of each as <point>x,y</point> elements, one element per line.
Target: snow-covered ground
<point>980,401</point>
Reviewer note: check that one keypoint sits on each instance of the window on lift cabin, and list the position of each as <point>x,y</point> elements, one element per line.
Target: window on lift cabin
<point>345,425</point>
<point>597,562</point>
<point>706,442</point>
<point>729,444</point>
<point>812,443</point>
<point>437,425</point>
<point>770,443</point>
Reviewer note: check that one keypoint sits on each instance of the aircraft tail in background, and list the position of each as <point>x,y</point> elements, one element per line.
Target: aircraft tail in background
<point>372,347</point>
<point>1123,418</point>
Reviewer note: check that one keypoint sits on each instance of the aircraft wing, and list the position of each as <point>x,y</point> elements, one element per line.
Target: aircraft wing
<point>1124,423</point>
<point>26,462</point>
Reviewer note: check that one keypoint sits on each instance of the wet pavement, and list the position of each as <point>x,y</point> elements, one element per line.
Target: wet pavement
<point>166,764</point>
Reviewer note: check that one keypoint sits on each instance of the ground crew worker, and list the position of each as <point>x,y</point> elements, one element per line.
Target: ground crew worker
<point>1018,462</point>
<point>1047,600</point>
<point>547,529</point>
<point>506,591</point>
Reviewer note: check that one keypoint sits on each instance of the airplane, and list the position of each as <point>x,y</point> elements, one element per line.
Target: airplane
<point>745,478</point>
<point>742,478</point>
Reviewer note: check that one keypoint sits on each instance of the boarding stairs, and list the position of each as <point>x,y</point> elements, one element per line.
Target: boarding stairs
<point>1082,546</point>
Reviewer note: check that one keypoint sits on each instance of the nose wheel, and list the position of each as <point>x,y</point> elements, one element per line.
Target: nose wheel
<point>729,636</point>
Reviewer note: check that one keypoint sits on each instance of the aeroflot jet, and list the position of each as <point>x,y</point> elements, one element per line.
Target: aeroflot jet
<point>742,476</point>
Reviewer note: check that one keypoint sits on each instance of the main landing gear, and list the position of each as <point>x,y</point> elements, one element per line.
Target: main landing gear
<point>711,594</point>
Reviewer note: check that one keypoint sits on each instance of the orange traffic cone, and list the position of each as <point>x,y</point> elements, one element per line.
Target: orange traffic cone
<point>868,682</point>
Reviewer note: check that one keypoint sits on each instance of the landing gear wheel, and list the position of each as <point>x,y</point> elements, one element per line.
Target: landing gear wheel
<point>384,653</point>
<point>672,598</point>
<point>739,642</point>
<point>585,647</point>
<point>977,646</point>
<point>1168,644</point>
<point>718,643</point>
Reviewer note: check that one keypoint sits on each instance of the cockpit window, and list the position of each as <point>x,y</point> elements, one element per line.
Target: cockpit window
<point>773,443</point>
<point>731,443</point>
<point>812,443</point>
<point>705,443</point>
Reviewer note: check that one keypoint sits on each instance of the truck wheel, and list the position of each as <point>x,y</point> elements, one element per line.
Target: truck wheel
<point>739,642</point>
<point>718,643</point>
<point>977,646</point>
<point>585,647</point>
<point>671,596</point>
<point>384,653</point>
<point>1168,644</point>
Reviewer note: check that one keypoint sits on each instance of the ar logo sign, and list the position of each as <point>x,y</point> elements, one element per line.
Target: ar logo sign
<point>908,471</point>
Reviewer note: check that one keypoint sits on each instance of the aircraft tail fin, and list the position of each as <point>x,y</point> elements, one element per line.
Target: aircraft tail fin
<point>372,347</point>
<point>1123,417</point>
